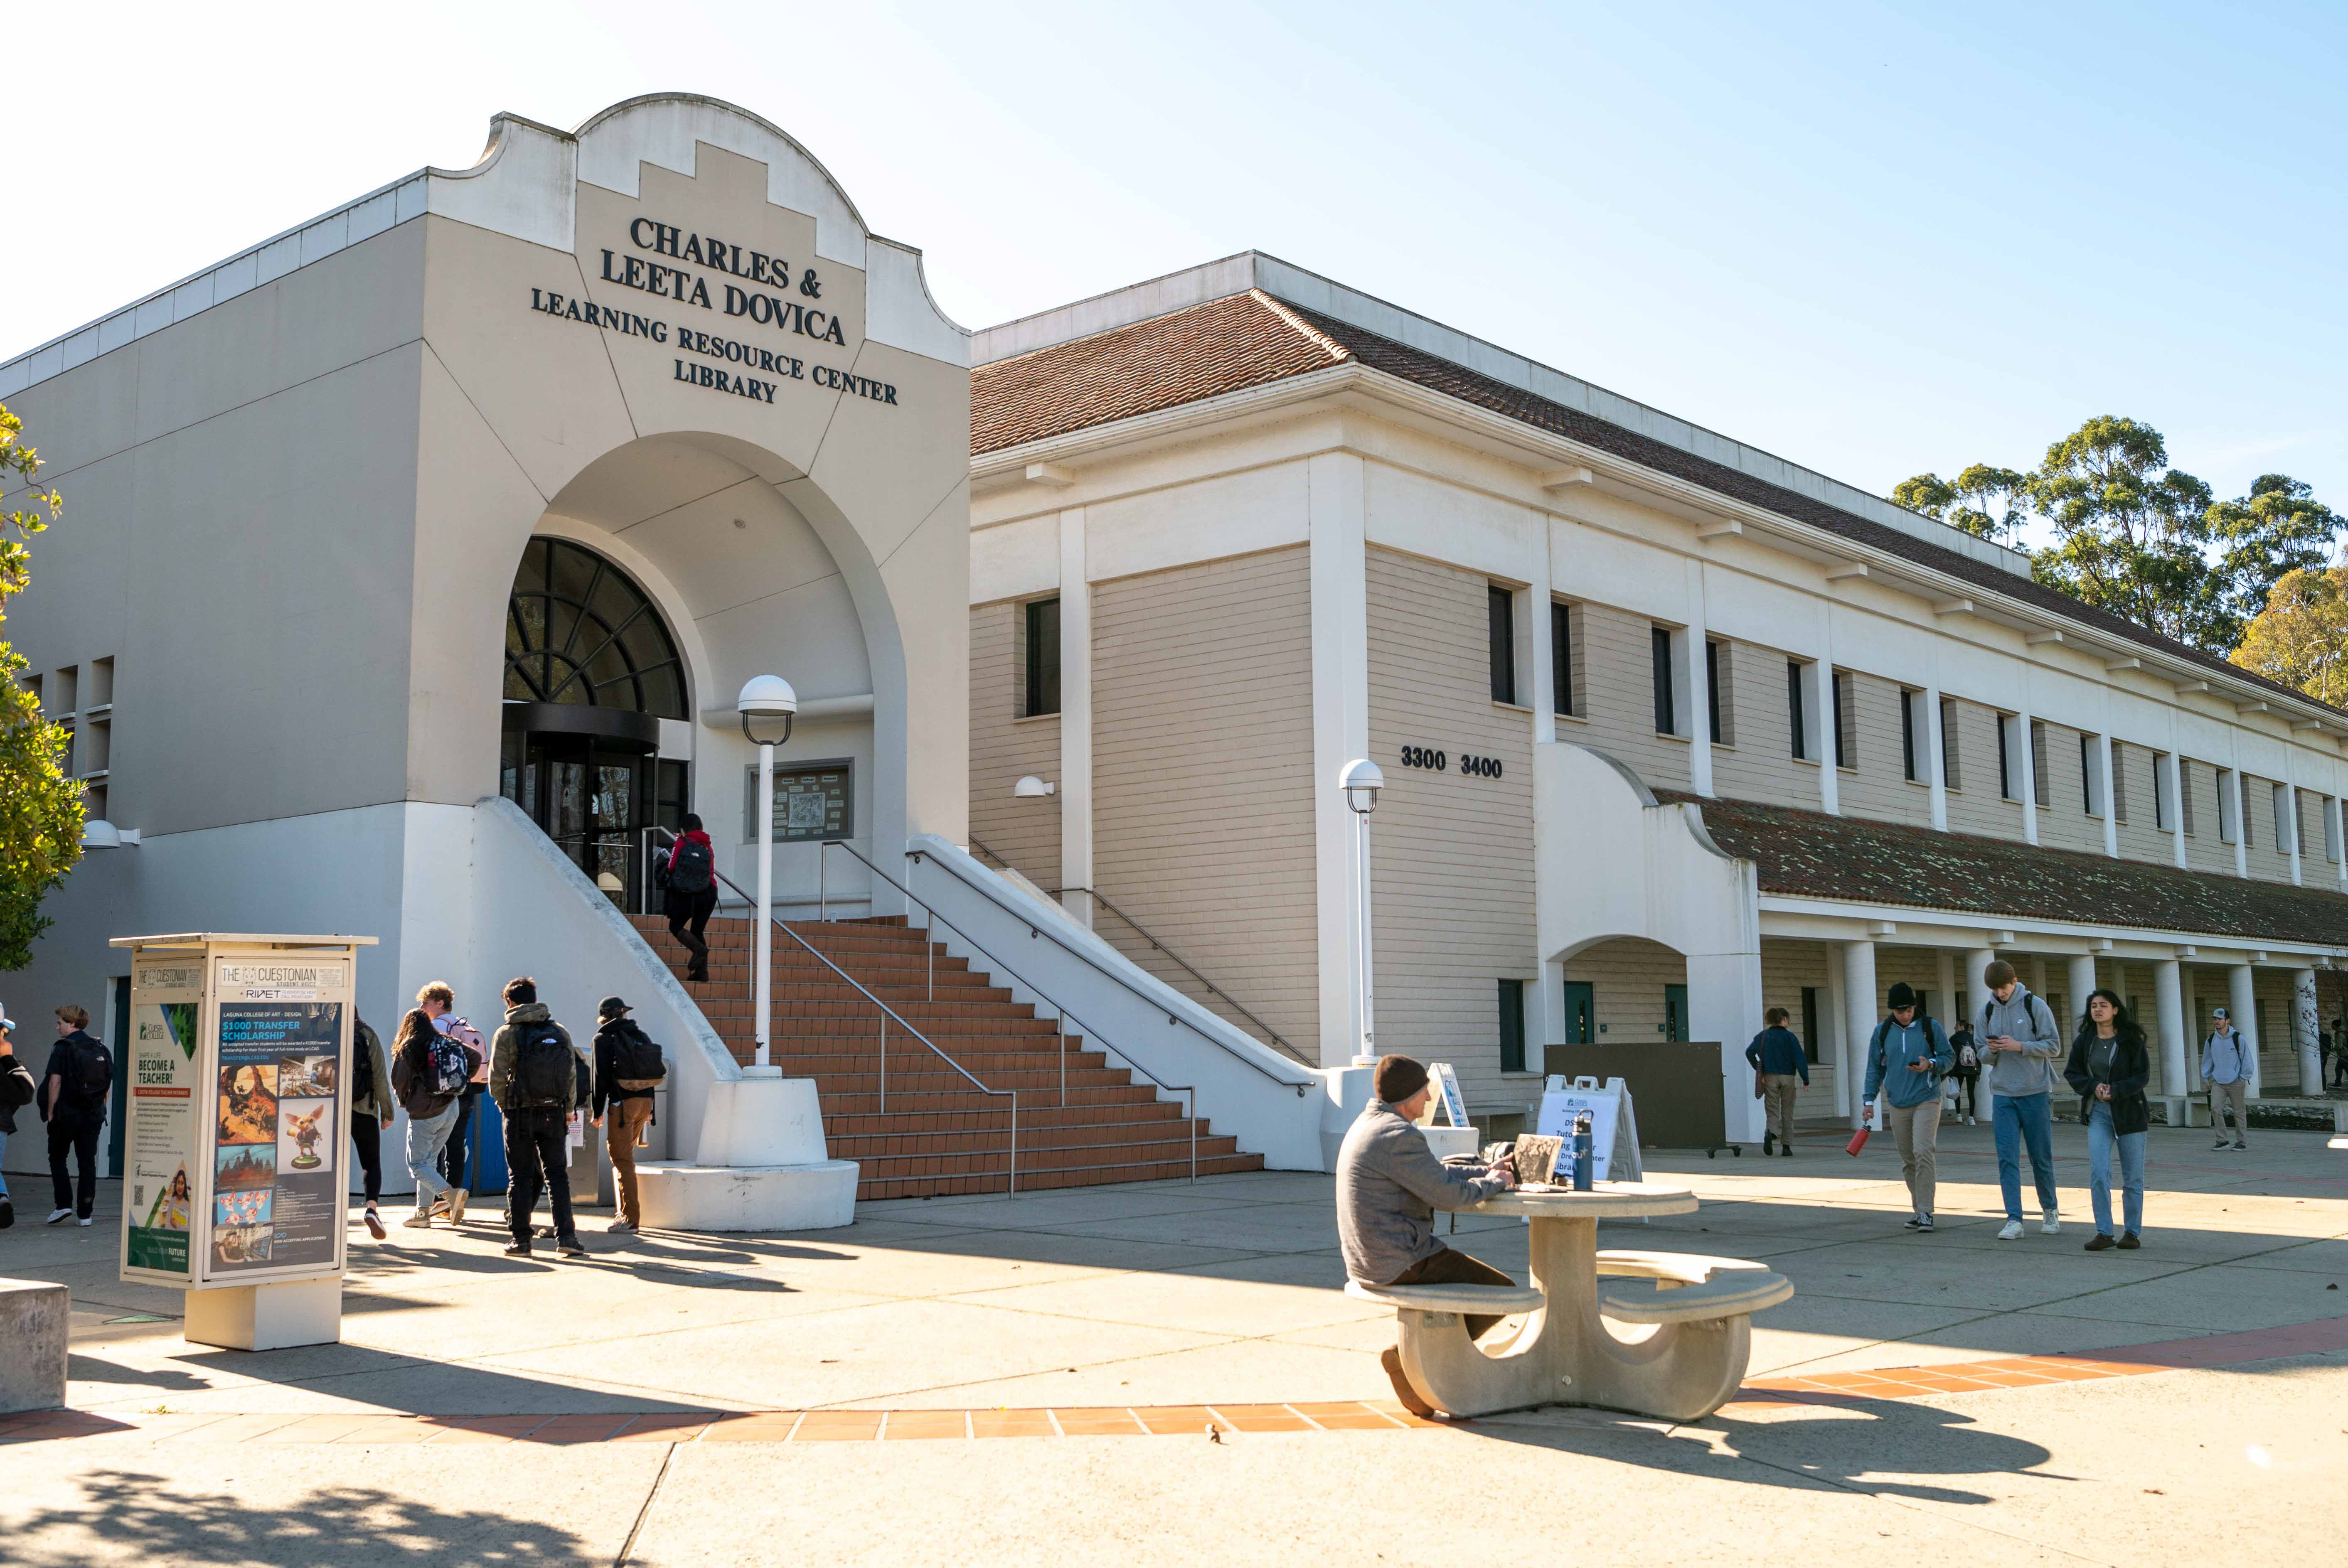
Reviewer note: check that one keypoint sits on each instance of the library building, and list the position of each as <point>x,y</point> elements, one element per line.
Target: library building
<point>413,558</point>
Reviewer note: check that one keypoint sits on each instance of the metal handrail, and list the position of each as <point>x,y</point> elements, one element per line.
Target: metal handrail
<point>1066,1014</point>
<point>1012,1185</point>
<point>1035,929</point>
<point>1188,967</point>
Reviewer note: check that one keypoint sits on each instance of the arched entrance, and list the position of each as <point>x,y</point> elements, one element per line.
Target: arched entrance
<point>591,671</point>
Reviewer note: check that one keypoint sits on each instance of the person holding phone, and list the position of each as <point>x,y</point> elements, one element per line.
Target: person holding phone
<point>1905,1061</point>
<point>2109,1067</point>
<point>2017,1031</point>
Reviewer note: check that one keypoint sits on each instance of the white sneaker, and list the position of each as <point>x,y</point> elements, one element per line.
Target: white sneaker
<point>59,1216</point>
<point>619,1226</point>
<point>2051,1222</point>
<point>422,1222</point>
<point>2012,1231</point>
<point>81,1221</point>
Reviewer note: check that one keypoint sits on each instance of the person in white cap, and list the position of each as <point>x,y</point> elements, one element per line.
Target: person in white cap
<point>2225,1068</point>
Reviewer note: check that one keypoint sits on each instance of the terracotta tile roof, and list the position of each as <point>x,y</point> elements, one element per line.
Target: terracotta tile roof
<point>1809,855</point>
<point>1223,345</point>
<point>1252,340</point>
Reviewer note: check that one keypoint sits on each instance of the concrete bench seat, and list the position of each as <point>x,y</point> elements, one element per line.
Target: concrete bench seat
<point>1479,1300</point>
<point>1682,1267</point>
<point>1736,1293</point>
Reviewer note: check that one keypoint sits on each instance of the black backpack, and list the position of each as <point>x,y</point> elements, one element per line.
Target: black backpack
<point>543,1077</point>
<point>636,1056</point>
<point>90,1070</point>
<point>691,870</point>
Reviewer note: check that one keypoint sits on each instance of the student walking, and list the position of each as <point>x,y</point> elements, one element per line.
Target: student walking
<point>2109,1067</point>
<point>438,1002</point>
<point>2225,1068</point>
<point>688,880</point>
<point>2017,1031</point>
<point>76,1089</point>
<point>1964,1078</point>
<point>1777,1055</point>
<point>428,1071</point>
<point>1905,1059</point>
<point>537,1079</point>
<point>628,1067</point>
<point>18,1091</point>
<point>371,1108</point>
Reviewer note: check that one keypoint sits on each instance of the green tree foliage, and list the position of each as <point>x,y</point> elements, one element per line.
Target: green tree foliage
<point>2300,638</point>
<point>40,808</point>
<point>2139,537</point>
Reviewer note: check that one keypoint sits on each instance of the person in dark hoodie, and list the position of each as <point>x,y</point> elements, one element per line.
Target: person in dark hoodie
<point>2109,1067</point>
<point>536,1077</point>
<point>689,883</point>
<point>628,1067</point>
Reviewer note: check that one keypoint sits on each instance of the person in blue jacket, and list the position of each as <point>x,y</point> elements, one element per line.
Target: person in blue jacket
<point>1906,1060</point>
<point>1777,1054</point>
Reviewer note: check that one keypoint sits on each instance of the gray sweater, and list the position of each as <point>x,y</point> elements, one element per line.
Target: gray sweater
<point>2030,1070</point>
<point>1389,1184</point>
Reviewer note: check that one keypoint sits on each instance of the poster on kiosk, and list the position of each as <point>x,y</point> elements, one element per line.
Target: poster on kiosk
<point>239,1102</point>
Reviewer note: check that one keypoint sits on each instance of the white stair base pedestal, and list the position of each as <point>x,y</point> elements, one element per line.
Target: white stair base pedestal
<point>266,1316</point>
<point>684,1195</point>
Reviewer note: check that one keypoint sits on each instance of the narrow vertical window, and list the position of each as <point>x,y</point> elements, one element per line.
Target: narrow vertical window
<point>1502,617</point>
<point>1659,642</point>
<point>1846,721</point>
<point>1912,755</point>
<point>2164,809</point>
<point>2087,775</point>
<point>2185,794</point>
<point>1512,1026</point>
<point>1798,709</point>
<point>2042,781</point>
<point>1712,693</point>
<point>1720,692</point>
<point>1949,774</point>
<point>2119,782</point>
<point>1043,657</point>
<point>2229,801</point>
<point>1810,1023</point>
<point>2331,827</point>
<point>1560,658</point>
<point>2281,818</point>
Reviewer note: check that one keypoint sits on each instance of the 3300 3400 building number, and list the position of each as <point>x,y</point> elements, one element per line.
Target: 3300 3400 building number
<point>1440,762</point>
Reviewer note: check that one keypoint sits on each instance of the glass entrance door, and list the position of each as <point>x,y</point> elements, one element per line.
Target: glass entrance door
<point>589,793</point>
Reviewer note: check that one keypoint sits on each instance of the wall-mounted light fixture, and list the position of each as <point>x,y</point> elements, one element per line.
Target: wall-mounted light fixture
<point>1032,788</point>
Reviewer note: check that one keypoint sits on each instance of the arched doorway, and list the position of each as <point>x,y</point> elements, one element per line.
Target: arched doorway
<point>591,671</point>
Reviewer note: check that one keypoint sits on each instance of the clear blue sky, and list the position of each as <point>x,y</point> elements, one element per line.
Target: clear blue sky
<point>1874,239</point>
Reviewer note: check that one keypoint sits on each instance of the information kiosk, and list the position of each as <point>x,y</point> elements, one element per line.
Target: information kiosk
<point>237,1057</point>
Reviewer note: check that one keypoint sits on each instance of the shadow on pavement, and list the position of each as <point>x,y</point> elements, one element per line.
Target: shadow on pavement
<point>131,1517</point>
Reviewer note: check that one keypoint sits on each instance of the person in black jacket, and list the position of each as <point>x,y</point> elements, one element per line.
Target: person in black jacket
<point>76,1094</point>
<point>17,1090</point>
<point>2109,1067</point>
<point>625,1059</point>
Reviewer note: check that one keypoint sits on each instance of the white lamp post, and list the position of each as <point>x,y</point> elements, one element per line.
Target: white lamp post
<point>1361,781</point>
<point>766,701</point>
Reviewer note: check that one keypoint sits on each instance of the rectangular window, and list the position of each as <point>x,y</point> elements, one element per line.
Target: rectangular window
<point>1912,750</point>
<point>1502,617</point>
<point>1948,773</point>
<point>1674,1027</point>
<point>2331,827</point>
<point>2229,805</point>
<point>2278,801</point>
<point>1798,709</point>
<point>2005,789</point>
<point>2042,781</point>
<point>2164,810</point>
<point>2087,775</point>
<point>1846,721</point>
<point>1659,641</point>
<point>1720,692</point>
<point>1561,661</point>
<point>1512,1026</point>
<point>1043,657</point>
<point>2184,792</point>
<point>2119,782</point>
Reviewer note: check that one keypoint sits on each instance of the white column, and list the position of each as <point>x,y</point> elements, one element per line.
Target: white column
<point>2242,1002</point>
<point>2176,771</point>
<point>2168,1010</point>
<point>2038,976</point>
<point>1547,1026</point>
<point>1977,962</point>
<point>1946,959</point>
<point>1841,1050</point>
<point>1936,758</point>
<point>1817,702</point>
<point>2083,981</point>
<point>1699,687</point>
<point>2111,814</point>
<point>2303,1026</point>
<point>2291,816</point>
<point>1340,726</point>
<point>2028,753</point>
<point>1076,717</point>
<point>1859,1015</point>
<point>1724,1005</point>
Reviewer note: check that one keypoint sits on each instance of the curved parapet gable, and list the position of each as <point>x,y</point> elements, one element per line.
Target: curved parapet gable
<point>1612,860</point>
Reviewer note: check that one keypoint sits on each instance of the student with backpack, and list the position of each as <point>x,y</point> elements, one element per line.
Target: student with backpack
<point>76,1090</point>
<point>428,1071</point>
<point>537,1077</point>
<point>688,879</point>
<point>2018,1035</point>
<point>371,1108</point>
<point>18,1091</point>
<point>628,1067</point>
<point>439,1001</point>
<point>1905,1061</point>
<point>1964,1078</point>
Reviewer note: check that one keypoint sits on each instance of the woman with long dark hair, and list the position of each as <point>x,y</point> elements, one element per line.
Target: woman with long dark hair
<point>2109,1067</point>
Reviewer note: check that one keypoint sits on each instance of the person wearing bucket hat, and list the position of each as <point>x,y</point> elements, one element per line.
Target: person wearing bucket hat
<point>16,1091</point>
<point>628,1069</point>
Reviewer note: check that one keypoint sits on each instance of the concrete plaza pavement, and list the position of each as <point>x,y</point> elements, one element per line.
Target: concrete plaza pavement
<point>1222,1294</point>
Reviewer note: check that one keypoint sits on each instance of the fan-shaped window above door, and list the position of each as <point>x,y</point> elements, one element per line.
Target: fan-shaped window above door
<point>578,631</point>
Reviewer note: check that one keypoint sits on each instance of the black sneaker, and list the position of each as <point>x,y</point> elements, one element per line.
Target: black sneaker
<point>1768,1143</point>
<point>568,1247</point>
<point>2241,1145</point>
<point>1915,1223</point>
<point>7,1212</point>
<point>1925,1223</point>
<point>2100,1242</point>
<point>2219,1144</point>
<point>2129,1243</point>
<point>518,1249</point>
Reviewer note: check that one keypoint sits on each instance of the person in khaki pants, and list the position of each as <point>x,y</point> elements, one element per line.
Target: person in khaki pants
<point>1906,1061</point>
<point>628,1067</point>
<point>1777,1054</point>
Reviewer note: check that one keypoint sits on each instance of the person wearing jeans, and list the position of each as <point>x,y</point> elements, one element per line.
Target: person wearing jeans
<point>2109,1067</point>
<point>2016,1030</point>
<point>2225,1068</point>
<point>16,1089</point>
<point>1905,1061</point>
<point>431,1111</point>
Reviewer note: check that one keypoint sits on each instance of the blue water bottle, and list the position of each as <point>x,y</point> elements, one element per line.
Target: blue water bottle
<point>1582,1158</point>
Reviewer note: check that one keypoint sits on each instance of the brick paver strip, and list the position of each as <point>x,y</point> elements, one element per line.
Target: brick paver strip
<point>347,1430</point>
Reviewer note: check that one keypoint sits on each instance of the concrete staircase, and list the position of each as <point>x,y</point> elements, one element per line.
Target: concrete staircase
<point>937,1134</point>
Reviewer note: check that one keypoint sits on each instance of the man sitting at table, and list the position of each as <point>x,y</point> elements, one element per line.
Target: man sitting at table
<point>1389,1184</point>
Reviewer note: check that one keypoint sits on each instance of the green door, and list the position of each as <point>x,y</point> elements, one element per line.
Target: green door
<point>1675,1023</point>
<point>1580,1008</point>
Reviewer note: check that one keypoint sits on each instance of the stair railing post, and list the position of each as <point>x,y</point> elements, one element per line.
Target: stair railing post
<point>1060,1023</point>
<point>822,860</point>
<point>1194,1137</point>
<point>1011,1188</point>
<point>884,1061</point>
